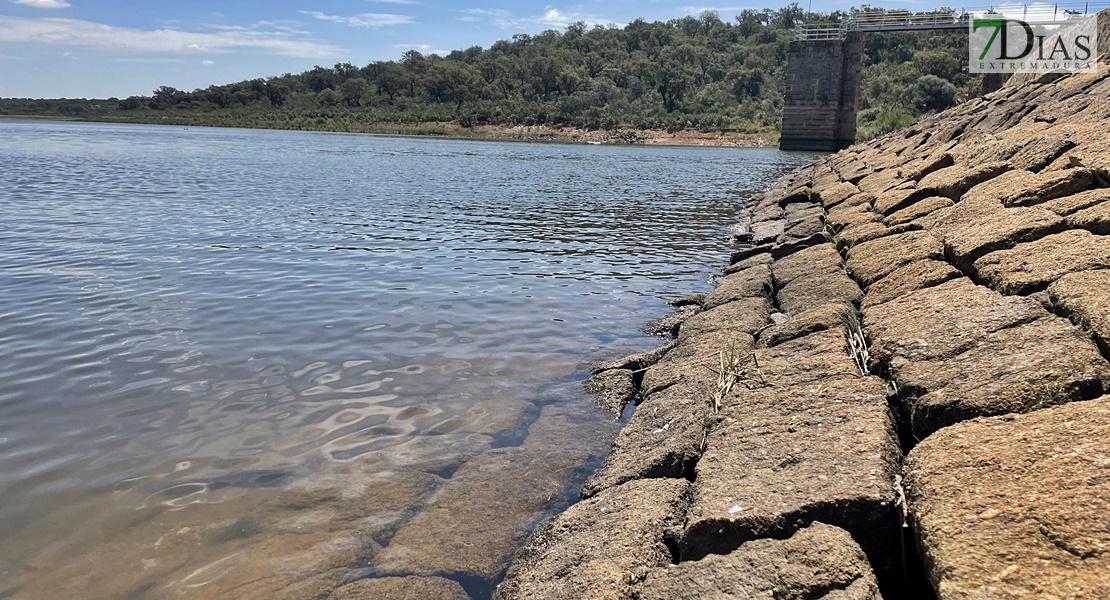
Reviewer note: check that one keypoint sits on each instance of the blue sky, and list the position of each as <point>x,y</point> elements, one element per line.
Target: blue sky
<point>102,48</point>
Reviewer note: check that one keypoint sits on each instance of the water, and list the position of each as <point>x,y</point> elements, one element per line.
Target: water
<point>243,363</point>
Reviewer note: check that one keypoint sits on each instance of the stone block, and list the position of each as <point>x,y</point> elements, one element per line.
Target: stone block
<point>766,232</point>
<point>778,459</point>
<point>900,197</point>
<point>845,215</point>
<point>694,359</point>
<point>754,282</point>
<point>1033,266</point>
<point>601,547</point>
<point>871,261</point>
<point>953,181</point>
<point>1084,297</point>
<point>815,260</point>
<point>826,358</point>
<point>1041,363</point>
<point>819,561</point>
<point>837,194</point>
<point>663,438</point>
<point>998,231</point>
<point>826,316</point>
<point>1095,219</point>
<point>1042,187</point>
<point>1015,506</point>
<point>755,260</point>
<point>1070,204</point>
<point>919,209</point>
<point>805,293</point>
<point>907,278</point>
<point>943,320</point>
<point>746,315</point>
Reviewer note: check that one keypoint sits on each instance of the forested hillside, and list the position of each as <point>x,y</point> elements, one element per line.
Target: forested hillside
<point>701,73</point>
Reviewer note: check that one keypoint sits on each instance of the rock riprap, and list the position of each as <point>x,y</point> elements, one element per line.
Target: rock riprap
<point>944,291</point>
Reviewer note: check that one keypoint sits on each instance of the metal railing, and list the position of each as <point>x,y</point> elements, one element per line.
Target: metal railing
<point>904,20</point>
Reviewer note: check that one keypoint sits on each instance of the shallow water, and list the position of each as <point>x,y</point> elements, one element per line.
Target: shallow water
<point>244,363</point>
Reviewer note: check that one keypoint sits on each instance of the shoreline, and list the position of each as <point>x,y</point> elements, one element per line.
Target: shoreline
<point>900,387</point>
<point>521,133</point>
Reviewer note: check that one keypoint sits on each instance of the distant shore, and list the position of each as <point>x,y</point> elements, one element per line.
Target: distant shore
<point>529,133</point>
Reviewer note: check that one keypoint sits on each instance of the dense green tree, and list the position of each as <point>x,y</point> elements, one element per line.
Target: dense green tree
<point>703,72</point>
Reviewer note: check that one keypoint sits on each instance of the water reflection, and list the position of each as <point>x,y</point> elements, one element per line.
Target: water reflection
<point>242,363</point>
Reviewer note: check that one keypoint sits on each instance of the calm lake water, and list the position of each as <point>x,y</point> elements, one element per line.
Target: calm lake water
<point>260,364</point>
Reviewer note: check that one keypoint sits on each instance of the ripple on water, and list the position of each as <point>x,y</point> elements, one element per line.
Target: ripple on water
<point>257,363</point>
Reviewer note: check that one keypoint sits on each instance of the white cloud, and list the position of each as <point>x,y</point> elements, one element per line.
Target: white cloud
<point>551,17</point>
<point>422,48</point>
<point>150,61</point>
<point>44,3</point>
<point>74,32</point>
<point>722,11</point>
<point>207,63</point>
<point>393,1</point>
<point>367,20</point>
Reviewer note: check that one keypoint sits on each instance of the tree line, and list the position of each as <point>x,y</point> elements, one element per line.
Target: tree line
<point>699,72</point>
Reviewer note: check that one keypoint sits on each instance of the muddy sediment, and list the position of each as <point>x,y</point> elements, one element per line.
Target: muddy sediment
<point>900,385</point>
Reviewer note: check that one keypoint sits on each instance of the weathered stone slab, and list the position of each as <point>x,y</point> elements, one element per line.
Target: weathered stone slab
<point>755,260</point>
<point>766,232</point>
<point>818,562</point>
<point>602,546</point>
<point>748,251</point>
<point>750,283</point>
<point>780,458</point>
<point>826,358</point>
<point>899,198</point>
<point>865,232</point>
<point>769,211</point>
<point>917,210</point>
<point>871,261</point>
<point>942,321</point>
<point>1095,219</point>
<point>746,315</point>
<point>1045,362</point>
<point>401,588</point>
<point>1039,152</point>
<point>953,181</point>
<point>998,231</point>
<point>635,362</point>
<point>877,183</point>
<point>836,194</point>
<point>479,517</point>
<point>801,211</point>
<point>694,359</point>
<point>612,390</point>
<point>1031,188</point>
<point>663,438</point>
<point>844,215</point>
<point>1033,266</point>
<point>805,293</point>
<point>826,316</point>
<point>1084,298</point>
<point>1077,202</point>
<point>975,205</point>
<point>907,278</point>
<point>1015,506</point>
<point>812,261</point>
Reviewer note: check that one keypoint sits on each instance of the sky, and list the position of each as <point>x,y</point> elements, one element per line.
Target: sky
<point>106,48</point>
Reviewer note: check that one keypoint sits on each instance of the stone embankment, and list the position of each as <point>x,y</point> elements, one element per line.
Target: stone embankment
<point>905,367</point>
